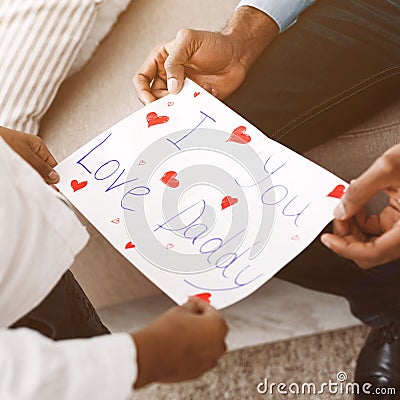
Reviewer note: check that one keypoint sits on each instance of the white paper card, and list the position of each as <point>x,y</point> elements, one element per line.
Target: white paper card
<point>198,199</point>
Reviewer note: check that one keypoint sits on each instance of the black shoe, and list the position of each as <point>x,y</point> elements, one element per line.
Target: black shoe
<point>378,365</point>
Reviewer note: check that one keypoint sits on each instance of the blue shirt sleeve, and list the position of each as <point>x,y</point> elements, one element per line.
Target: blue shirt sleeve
<point>283,12</point>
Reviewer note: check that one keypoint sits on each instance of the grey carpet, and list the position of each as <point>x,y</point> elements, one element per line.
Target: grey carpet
<point>314,359</point>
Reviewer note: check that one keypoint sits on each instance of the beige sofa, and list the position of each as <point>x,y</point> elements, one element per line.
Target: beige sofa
<point>101,94</point>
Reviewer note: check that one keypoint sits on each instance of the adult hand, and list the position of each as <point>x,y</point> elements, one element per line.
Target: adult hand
<point>32,149</point>
<point>217,61</point>
<point>372,241</point>
<point>182,344</point>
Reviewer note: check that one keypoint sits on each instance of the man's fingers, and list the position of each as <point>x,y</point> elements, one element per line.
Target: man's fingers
<point>383,173</point>
<point>175,75</point>
<point>369,254</point>
<point>179,52</point>
<point>341,246</point>
<point>145,76</point>
<point>159,88</point>
<point>341,228</point>
<point>370,225</point>
<point>141,84</point>
<point>393,192</point>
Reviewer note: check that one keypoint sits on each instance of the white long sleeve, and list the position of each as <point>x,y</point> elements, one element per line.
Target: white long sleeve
<point>39,238</point>
<point>283,12</point>
<point>33,367</point>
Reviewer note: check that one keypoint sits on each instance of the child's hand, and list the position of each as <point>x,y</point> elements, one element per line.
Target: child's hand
<point>32,149</point>
<point>181,344</point>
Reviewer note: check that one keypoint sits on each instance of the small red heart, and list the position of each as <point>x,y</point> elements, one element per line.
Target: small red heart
<point>195,94</point>
<point>239,135</point>
<point>228,201</point>
<point>154,119</point>
<point>169,179</point>
<point>170,103</point>
<point>169,246</point>
<point>142,162</point>
<point>78,185</point>
<point>338,192</point>
<point>129,245</point>
<point>204,296</point>
<point>116,221</point>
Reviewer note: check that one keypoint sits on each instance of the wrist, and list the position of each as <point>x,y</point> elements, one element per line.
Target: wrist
<point>250,31</point>
<point>145,357</point>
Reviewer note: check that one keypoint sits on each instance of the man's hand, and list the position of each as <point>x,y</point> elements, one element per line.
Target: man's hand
<point>181,344</point>
<point>372,241</point>
<point>217,61</point>
<point>32,149</point>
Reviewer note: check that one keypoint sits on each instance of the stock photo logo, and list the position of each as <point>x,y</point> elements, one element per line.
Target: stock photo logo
<point>206,194</point>
<point>338,386</point>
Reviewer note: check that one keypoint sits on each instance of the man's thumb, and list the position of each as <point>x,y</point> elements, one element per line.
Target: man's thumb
<point>360,191</point>
<point>180,51</point>
<point>175,75</point>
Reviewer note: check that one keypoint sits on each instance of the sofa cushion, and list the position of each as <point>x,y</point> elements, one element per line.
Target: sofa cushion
<point>39,42</point>
<point>107,14</point>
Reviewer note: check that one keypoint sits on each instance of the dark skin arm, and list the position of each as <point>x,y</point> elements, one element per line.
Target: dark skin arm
<point>217,61</point>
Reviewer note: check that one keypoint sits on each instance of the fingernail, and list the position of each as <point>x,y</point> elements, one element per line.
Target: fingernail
<point>172,85</point>
<point>339,212</point>
<point>326,242</point>
<point>53,176</point>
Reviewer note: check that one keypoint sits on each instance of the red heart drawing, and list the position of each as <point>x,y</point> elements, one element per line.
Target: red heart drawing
<point>295,237</point>
<point>116,221</point>
<point>338,192</point>
<point>169,246</point>
<point>169,179</point>
<point>78,185</point>
<point>154,119</point>
<point>239,135</point>
<point>129,245</point>
<point>142,162</point>
<point>228,201</point>
<point>204,296</point>
<point>195,94</point>
<point>170,103</point>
